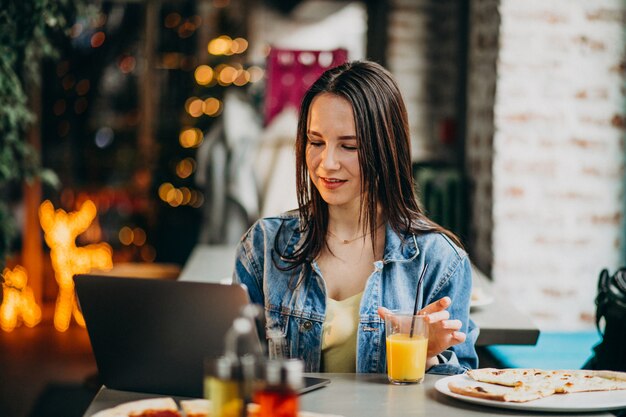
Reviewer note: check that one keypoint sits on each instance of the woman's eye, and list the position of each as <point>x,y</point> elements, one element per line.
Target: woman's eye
<point>350,148</point>
<point>315,143</point>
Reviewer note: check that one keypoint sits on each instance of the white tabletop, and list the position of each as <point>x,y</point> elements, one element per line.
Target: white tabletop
<point>362,395</point>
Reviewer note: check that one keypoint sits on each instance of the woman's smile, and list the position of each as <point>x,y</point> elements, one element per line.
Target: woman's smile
<point>332,183</point>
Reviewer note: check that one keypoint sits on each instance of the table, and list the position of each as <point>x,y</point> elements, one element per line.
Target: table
<point>363,395</point>
<point>500,322</point>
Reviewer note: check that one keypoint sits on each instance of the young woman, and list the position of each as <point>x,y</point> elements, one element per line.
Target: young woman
<point>325,273</point>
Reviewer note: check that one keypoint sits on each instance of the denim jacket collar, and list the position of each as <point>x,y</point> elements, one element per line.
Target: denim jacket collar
<point>399,248</point>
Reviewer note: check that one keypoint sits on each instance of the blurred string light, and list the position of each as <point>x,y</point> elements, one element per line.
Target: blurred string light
<point>197,107</point>
<point>190,137</point>
<point>82,87</point>
<point>212,107</point>
<point>127,64</point>
<point>172,20</point>
<point>182,196</point>
<point>128,236</point>
<point>97,39</point>
<point>193,106</point>
<point>68,82</point>
<point>80,105</point>
<point>139,236</point>
<point>185,167</point>
<point>227,75</point>
<point>18,301</point>
<point>225,45</point>
<point>60,231</point>
<point>186,29</point>
<point>104,137</point>
<point>176,60</point>
<point>99,20</point>
<point>76,30</point>
<point>203,75</point>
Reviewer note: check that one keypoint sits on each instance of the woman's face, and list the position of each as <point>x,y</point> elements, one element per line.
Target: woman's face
<point>332,151</point>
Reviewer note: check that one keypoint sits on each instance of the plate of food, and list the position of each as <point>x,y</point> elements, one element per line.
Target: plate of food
<point>167,407</point>
<point>480,297</point>
<point>538,390</point>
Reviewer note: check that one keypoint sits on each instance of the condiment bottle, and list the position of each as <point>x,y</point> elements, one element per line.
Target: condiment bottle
<point>224,388</point>
<point>279,397</point>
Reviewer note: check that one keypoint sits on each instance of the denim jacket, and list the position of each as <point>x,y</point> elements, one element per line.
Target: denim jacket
<point>295,300</point>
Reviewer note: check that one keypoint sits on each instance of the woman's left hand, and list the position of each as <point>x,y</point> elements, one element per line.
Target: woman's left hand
<point>442,332</point>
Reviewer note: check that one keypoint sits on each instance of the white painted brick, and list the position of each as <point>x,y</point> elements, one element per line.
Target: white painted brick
<point>557,150</point>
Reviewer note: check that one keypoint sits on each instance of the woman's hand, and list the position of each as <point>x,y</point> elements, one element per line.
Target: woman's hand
<point>442,332</point>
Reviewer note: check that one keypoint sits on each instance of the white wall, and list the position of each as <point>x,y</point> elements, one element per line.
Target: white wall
<point>557,161</point>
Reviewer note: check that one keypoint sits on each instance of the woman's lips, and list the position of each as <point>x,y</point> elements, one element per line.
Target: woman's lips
<point>332,183</point>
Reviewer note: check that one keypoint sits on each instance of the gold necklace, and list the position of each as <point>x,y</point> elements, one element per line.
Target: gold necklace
<point>346,241</point>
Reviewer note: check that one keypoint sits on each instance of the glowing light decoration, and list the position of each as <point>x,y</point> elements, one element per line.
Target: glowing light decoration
<point>61,229</point>
<point>18,301</point>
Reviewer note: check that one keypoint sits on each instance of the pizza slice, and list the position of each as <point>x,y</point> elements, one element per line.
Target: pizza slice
<point>527,384</point>
<point>508,377</point>
<point>196,408</point>
<point>499,392</point>
<point>561,381</point>
<point>587,381</point>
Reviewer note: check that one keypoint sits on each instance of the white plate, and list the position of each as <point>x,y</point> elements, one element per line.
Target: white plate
<point>576,402</point>
<point>480,298</point>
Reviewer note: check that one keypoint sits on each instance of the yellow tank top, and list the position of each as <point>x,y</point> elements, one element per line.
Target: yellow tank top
<point>339,334</point>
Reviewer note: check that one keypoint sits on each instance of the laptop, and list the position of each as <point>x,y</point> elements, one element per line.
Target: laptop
<point>152,335</point>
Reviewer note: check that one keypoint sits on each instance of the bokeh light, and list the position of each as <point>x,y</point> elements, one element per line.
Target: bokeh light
<point>127,64</point>
<point>104,137</point>
<point>139,236</point>
<point>191,137</point>
<point>126,235</point>
<point>256,73</point>
<point>194,107</point>
<point>164,189</point>
<point>185,167</point>
<point>203,75</point>
<point>212,106</point>
<point>220,45</point>
<point>239,45</point>
<point>172,20</point>
<point>97,39</point>
<point>80,105</point>
<point>82,87</point>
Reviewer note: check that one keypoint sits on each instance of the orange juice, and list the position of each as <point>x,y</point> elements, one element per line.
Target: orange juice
<point>406,357</point>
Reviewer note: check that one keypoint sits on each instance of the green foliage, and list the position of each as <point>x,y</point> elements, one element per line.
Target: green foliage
<point>28,29</point>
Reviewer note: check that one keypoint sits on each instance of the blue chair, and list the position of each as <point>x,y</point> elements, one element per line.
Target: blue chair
<point>554,350</point>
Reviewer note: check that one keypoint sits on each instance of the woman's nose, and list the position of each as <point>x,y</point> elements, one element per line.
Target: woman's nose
<point>329,159</point>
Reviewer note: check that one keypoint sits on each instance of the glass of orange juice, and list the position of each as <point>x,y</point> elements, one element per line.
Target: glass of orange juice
<point>407,344</point>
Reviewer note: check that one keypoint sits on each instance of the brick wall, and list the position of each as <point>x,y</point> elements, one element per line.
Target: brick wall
<point>557,157</point>
<point>422,54</point>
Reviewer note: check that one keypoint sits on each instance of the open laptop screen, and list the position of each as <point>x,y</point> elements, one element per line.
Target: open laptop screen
<point>151,335</point>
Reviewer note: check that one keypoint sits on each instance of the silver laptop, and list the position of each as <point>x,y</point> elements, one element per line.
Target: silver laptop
<point>151,335</point>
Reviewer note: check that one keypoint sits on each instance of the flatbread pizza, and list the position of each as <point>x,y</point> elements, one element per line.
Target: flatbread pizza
<point>522,385</point>
<point>166,407</point>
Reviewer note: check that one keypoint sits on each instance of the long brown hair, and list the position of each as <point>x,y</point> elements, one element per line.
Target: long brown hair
<point>384,150</point>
